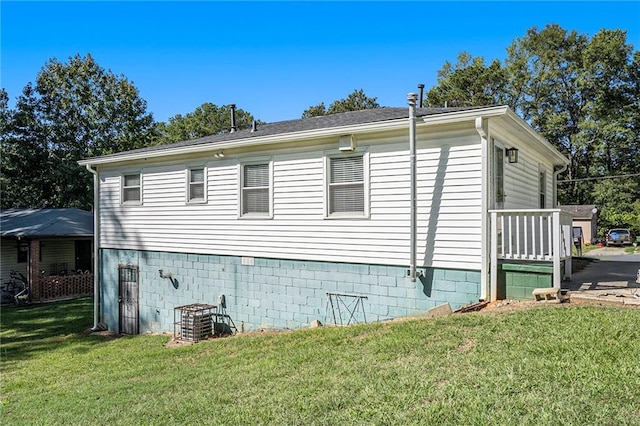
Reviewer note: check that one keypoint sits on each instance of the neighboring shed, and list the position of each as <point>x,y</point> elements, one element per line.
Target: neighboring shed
<point>585,217</point>
<point>277,220</point>
<point>46,243</point>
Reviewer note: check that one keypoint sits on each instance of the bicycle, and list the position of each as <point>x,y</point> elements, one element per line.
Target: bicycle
<point>15,292</point>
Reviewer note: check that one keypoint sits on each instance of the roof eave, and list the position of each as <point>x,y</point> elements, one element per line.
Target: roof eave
<point>449,117</point>
<point>245,142</point>
<point>558,157</point>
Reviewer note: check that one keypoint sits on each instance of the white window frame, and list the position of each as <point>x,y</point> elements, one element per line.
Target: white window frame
<point>542,187</point>
<point>498,185</point>
<point>190,184</point>
<point>241,190</point>
<point>328,186</point>
<point>123,188</point>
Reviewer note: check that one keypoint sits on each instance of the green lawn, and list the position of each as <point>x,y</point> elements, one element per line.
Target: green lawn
<point>541,366</point>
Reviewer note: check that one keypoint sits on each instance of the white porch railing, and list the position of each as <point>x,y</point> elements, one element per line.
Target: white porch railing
<point>531,235</point>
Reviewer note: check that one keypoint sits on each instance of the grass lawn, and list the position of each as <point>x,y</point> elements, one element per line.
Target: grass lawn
<point>547,365</point>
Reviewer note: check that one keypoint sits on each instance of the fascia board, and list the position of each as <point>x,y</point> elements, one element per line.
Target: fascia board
<point>456,117</point>
<point>523,125</point>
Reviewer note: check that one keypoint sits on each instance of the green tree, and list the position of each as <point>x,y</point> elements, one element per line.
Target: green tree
<point>469,83</point>
<point>207,119</point>
<point>355,101</point>
<point>26,177</point>
<point>581,93</point>
<point>75,110</point>
<point>618,203</point>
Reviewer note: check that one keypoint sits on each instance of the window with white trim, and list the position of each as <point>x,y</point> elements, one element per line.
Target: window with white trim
<point>497,177</point>
<point>346,186</point>
<point>256,189</point>
<point>131,188</point>
<point>542,189</point>
<point>196,185</point>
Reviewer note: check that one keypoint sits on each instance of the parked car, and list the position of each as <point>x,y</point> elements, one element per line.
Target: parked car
<point>619,236</point>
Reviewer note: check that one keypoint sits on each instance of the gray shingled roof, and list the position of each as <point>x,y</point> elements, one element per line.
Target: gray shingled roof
<point>304,124</point>
<point>579,211</point>
<point>39,223</point>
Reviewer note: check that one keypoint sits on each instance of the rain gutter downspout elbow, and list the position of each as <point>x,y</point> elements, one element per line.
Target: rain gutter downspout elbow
<point>96,247</point>
<point>411,97</point>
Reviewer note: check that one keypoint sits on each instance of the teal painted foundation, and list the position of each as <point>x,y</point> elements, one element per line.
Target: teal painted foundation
<point>516,281</point>
<point>275,293</point>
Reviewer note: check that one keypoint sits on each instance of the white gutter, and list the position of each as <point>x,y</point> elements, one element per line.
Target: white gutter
<point>96,247</point>
<point>411,97</point>
<point>484,221</point>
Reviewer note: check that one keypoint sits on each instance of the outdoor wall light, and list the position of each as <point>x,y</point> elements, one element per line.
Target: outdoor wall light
<point>219,154</point>
<point>512,154</point>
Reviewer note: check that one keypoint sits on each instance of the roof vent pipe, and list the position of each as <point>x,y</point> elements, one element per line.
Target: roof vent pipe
<point>233,117</point>
<point>254,126</point>
<point>420,88</point>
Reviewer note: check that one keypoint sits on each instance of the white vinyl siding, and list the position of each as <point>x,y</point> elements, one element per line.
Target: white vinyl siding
<point>58,254</point>
<point>196,185</point>
<point>52,251</point>
<point>522,180</point>
<point>9,253</point>
<point>346,186</point>
<point>256,189</point>
<point>449,207</point>
<point>131,188</point>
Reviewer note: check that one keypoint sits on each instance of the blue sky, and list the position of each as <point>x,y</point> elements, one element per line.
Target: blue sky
<point>274,60</point>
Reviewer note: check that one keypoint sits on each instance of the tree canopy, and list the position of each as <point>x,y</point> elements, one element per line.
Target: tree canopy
<point>580,93</point>
<point>207,119</point>
<point>75,110</point>
<point>355,101</point>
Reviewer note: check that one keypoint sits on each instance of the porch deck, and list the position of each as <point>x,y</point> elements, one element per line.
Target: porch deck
<point>531,236</point>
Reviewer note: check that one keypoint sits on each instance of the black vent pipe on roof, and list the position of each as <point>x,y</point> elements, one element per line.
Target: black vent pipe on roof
<point>420,87</point>
<point>254,126</point>
<point>233,117</point>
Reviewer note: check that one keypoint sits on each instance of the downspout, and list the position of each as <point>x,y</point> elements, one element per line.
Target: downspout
<point>96,247</point>
<point>555,183</point>
<point>411,97</point>
<point>484,222</point>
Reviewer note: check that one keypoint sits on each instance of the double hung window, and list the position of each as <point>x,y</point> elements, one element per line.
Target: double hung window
<point>197,189</point>
<point>346,186</point>
<point>131,188</point>
<point>256,189</point>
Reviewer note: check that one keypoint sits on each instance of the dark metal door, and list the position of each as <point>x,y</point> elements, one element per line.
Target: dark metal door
<point>128,298</point>
<point>83,255</point>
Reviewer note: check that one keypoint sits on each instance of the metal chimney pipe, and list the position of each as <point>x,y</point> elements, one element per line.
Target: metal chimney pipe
<point>411,97</point>
<point>420,88</point>
<point>233,117</point>
<point>254,126</point>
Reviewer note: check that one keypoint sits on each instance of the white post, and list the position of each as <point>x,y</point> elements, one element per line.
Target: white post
<point>494,256</point>
<point>555,223</point>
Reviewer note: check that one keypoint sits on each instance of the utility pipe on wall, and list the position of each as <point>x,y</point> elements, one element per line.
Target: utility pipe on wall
<point>485,268</point>
<point>411,97</point>
<point>96,247</point>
